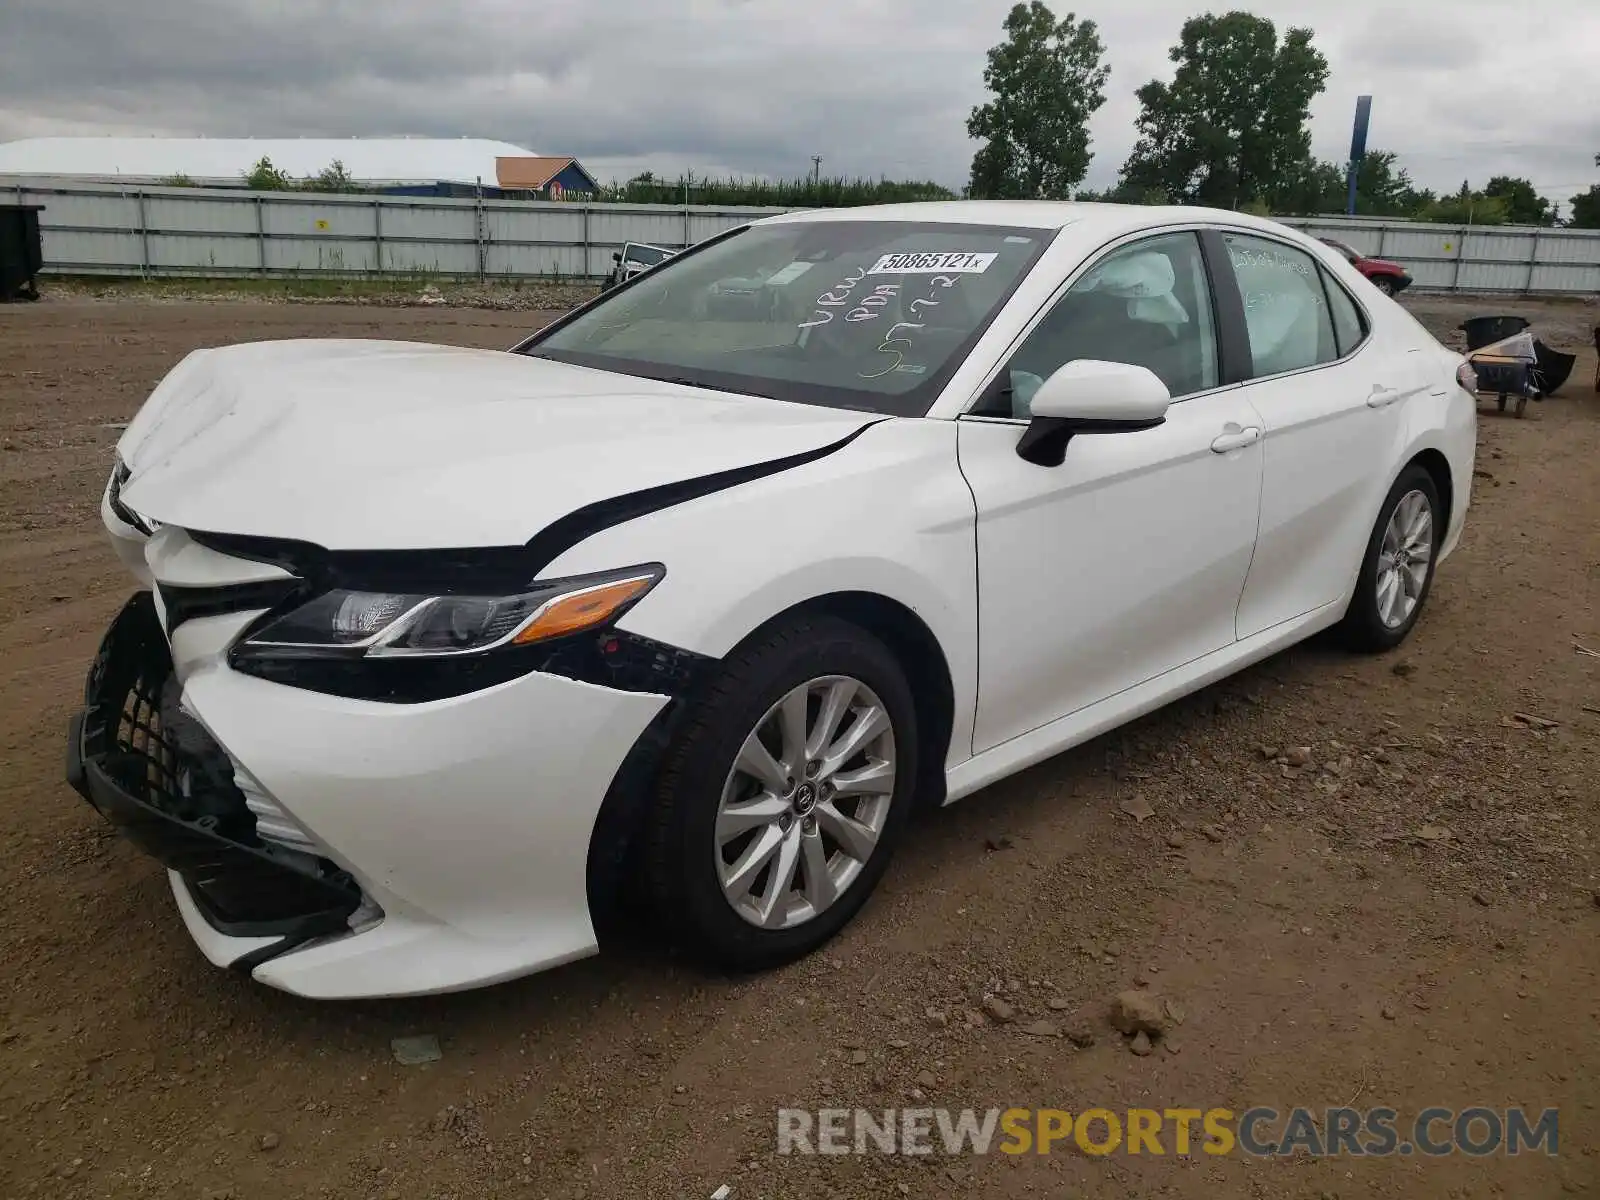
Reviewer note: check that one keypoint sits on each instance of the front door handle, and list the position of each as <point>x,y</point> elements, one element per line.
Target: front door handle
<point>1236,439</point>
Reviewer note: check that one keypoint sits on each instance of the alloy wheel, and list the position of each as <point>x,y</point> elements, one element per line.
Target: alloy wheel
<point>1404,558</point>
<point>806,802</point>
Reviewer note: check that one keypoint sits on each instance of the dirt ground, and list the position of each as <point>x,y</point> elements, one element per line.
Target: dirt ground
<point>1412,919</point>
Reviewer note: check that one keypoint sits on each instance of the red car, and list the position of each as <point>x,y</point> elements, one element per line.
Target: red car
<point>1388,277</point>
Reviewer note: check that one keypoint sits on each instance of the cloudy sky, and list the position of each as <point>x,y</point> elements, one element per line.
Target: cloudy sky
<point>1463,87</point>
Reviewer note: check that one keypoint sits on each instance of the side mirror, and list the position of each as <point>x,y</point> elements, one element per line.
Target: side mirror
<point>616,257</point>
<point>1090,396</point>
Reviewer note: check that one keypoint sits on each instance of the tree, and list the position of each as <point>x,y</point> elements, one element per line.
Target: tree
<point>1586,207</point>
<point>264,177</point>
<point>1123,194</point>
<point>332,178</point>
<point>1524,206</point>
<point>1310,188</point>
<point>1466,207</point>
<point>1384,189</point>
<point>1047,80</point>
<point>1231,126</point>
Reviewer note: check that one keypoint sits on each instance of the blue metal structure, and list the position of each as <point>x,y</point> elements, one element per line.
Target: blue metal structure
<point>1358,150</point>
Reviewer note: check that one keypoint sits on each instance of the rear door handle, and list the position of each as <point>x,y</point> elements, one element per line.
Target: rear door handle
<point>1382,397</point>
<point>1236,439</point>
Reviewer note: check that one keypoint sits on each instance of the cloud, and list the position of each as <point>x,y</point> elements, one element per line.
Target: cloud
<point>759,86</point>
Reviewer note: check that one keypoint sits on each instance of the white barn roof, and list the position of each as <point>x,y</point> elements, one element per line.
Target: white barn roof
<point>225,160</point>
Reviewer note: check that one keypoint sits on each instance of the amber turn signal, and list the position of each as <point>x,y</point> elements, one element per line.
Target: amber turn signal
<point>577,611</point>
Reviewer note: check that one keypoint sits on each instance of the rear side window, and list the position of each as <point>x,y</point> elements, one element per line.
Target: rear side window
<point>1349,326</point>
<point>1285,308</point>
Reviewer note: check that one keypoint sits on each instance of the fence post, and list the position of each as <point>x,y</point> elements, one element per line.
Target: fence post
<point>1383,236</point>
<point>261,238</point>
<point>1461,253</point>
<point>1533,262</point>
<point>585,272</point>
<point>144,238</point>
<point>478,232</point>
<point>377,235</point>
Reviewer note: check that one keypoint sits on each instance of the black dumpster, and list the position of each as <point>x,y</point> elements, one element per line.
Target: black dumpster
<point>1485,331</point>
<point>21,253</point>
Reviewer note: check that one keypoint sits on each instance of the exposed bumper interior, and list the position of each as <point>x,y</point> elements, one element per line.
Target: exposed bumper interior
<point>155,773</point>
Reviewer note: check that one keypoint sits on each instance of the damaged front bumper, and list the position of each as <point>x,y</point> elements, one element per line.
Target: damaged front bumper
<point>155,773</point>
<point>342,848</point>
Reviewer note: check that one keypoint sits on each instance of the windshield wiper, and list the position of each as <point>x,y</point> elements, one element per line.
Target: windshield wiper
<point>685,381</point>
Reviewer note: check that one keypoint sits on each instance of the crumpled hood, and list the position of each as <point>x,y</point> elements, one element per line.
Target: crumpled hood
<point>380,445</point>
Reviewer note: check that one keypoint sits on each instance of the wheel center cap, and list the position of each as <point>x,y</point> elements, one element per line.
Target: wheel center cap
<point>805,799</point>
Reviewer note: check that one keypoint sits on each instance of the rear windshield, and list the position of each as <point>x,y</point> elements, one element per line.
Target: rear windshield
<point>870,315</point>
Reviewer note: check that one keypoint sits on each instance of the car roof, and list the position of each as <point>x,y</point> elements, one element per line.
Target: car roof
<point>1110,220</point>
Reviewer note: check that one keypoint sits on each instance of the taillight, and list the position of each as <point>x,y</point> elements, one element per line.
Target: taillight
<point>1467,378</point>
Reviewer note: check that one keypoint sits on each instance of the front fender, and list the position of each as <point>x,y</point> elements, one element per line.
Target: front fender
<point>890,514</point>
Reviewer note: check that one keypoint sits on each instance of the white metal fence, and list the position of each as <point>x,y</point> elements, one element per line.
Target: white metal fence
<point>222,232</point>
<point>1484,258</point>
<point>192,231</point>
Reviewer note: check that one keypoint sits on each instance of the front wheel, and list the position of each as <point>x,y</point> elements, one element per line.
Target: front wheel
<point>1397,572</point>
<point>781,803</point>
<point>1385,285</point>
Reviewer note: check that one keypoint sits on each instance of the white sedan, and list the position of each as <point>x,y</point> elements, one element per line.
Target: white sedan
<point>703,590</point>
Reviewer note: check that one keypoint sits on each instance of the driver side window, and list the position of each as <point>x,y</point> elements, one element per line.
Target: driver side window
<point>1148,304</point>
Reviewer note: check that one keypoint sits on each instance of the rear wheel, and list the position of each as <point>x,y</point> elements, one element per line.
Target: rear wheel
<point>782,801</point>
<point>1398,570</point>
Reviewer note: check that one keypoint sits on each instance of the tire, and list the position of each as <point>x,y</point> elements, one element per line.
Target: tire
<point>1369,624</point>
<point>1385,285</point>
<point>687,860</point>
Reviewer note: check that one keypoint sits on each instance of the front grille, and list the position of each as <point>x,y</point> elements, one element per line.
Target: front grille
<point>157,774</point>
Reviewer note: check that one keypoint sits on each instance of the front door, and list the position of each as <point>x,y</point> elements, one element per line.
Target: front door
<point>1128,559</point>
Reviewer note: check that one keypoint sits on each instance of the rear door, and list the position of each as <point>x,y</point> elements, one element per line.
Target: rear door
<point>1332,399</point>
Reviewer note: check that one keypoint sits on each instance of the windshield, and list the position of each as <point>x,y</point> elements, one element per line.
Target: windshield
<point>871,315</point>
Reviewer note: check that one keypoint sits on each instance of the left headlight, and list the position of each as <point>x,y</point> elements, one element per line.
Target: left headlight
<point>346,623</point>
